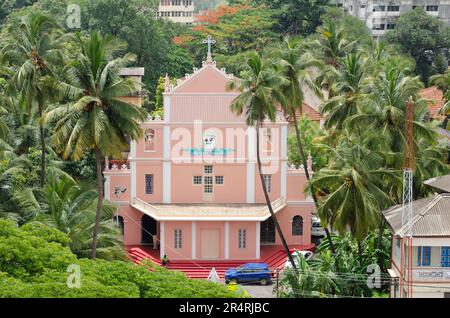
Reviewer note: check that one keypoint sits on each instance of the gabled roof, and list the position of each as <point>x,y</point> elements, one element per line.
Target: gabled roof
<point>436,101</point>
<point>207,79</point>
<point>431,217</point>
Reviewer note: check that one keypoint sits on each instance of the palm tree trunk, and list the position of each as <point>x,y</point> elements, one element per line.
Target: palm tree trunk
<point>308,177</point>
<point>269,204</point>
<point>98,214</point>
<point>42,141</point>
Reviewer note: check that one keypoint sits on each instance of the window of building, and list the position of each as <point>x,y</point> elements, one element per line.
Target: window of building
<point>445,256</point>
<point>268,182</point>
<point>197,180</point>
<point>393,8</point>
<point>118,221</point>
<point>208,184</point>
<point>390,26</point>
<point>432,8</point>
<point>379,8</point>
<point>242,239</point>
<point>219,179</point>
<point>178,239</point>
<point>149,138</point>
<point>208,169</point>
<point>149,184</point>
<point>423,256</point>
<point>297,225</point>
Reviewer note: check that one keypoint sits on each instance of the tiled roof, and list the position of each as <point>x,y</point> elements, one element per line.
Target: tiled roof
<point>436,102</point>
<point>431,217</point>
<point>309,112</point>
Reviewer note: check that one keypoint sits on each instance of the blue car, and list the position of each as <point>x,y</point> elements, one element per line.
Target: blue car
<point>249,273</point>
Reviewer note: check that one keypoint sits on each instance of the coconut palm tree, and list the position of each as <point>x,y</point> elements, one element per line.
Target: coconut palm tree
<point>258,99</point>
<point>351,95</point>
<point>296,64</point>
<point>64,205</point>
<point>355,183</point>
<point>98,119</point>
<point>36,44</point>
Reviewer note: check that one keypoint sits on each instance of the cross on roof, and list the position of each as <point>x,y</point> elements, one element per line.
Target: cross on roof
<point>209,40</point>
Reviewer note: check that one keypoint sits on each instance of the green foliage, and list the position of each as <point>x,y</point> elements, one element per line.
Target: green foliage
<point>34,262</point>
<point>344,274</point>
<point>296,16</point>
<point>311,132</point>
<point>422,36</point>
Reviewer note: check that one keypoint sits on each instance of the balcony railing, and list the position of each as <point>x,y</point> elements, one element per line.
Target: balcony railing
<point>117,165</point>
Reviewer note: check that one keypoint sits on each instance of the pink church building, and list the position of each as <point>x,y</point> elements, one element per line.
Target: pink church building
<point>191,184</point>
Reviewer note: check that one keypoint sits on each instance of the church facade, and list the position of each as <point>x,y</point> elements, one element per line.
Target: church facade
<point>191,186</point>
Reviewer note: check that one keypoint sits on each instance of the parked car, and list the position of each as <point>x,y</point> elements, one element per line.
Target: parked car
<point>316,228</point>
<point>306,254</point>
<point>249,273</point>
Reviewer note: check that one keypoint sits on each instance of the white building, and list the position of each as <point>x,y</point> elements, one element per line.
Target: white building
<point>381,15</point>
<point>181,11</point>
<point>430,248</point>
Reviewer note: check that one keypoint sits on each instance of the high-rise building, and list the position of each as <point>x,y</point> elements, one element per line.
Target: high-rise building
<point>181,11</point>
<point>381,15</point>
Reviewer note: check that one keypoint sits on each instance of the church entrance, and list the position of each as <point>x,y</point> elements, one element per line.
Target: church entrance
<point>267,231</point>
<point>148,228</point>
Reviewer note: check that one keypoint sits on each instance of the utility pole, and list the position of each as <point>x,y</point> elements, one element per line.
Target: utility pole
<point>408,169</point>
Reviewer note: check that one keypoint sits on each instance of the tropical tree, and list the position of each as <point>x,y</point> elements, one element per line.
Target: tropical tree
<point>350,90</point>
<point>36,45</point>
<point>296,64</point>
<point>64,205</point>
<point>258,99</point>
<point>354,184</point>
<point>98,119</point>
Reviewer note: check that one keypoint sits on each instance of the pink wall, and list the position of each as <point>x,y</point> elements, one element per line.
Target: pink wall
<point>250,251</point>
<point>207,80</point>
<point>285,217</point>
<point>296,183</point>
<point>185,252</point>
<point>116,180</point>
<point>276,187</point>
<point>149,167</point>
<point>232,191</point>
<point>159,142</point>
<point>132,225</point>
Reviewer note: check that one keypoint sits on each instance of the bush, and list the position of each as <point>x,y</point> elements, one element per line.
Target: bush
<point>34,262</point>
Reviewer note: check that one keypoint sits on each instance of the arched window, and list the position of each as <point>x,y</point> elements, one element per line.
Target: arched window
<point>149,138</point>
<point>118,221</point>
<point>297,225</point>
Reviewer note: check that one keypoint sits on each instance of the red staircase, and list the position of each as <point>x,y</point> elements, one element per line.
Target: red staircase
<point>201,269</point>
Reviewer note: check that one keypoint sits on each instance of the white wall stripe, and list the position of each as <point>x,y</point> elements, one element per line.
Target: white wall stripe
<point>194,240</point>
<point>227,240</point>
<point>162,239</point>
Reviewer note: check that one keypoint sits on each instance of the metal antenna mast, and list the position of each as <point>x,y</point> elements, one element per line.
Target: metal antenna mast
<point>408,168</point>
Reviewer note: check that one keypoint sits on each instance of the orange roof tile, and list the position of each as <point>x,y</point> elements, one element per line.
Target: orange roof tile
<point>436,102</point>
<point>307,111</point>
